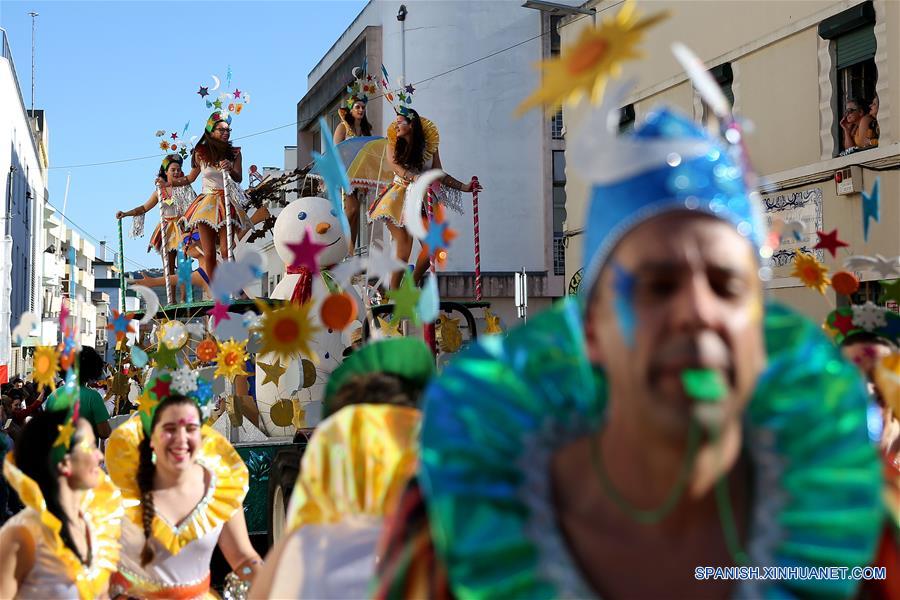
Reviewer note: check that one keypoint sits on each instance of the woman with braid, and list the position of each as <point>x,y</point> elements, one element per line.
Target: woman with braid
<point>65,542</point>
<point>184,485</point>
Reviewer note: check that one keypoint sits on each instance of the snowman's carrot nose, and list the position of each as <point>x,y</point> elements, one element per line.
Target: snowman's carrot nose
<point>323,228</point>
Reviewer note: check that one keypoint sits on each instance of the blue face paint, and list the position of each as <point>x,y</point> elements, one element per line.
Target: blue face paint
<point>623,288</point>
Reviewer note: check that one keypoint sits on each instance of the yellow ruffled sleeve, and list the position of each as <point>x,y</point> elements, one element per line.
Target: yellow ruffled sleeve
<point>358,462</point>
<point>101,508</point>
<point>229,482</point>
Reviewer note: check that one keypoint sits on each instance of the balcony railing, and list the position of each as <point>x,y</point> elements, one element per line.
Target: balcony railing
<point>559,255</point>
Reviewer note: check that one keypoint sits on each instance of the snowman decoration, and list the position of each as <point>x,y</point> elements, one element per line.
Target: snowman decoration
<point>296,400</point>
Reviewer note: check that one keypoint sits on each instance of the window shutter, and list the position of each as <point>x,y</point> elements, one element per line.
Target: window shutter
<point>855,47</point>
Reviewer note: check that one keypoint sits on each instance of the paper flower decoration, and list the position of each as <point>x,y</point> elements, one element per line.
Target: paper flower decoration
<point>868,316</point>
<point>184,380</point>
<point>584,67</point>
<point>811,272</point>
<point>286,331</point>
<point>46,363</point>
<point>231,358</point>
<point>207,350</point>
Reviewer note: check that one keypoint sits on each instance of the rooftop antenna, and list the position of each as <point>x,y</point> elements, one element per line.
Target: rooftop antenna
<point>33,22</point>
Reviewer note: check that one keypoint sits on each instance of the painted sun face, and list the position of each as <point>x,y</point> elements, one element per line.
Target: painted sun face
<point>315,215</point>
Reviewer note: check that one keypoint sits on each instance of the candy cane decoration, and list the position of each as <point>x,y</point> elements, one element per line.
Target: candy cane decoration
<point>475,188</point>
<point>226,179</point>
<point>163,250</point>
<point>121,270</point>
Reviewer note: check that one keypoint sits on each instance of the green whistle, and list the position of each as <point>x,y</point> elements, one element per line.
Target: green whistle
<point>704,385</point>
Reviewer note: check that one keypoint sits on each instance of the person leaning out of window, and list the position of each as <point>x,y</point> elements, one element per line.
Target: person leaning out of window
<point>859,125</point>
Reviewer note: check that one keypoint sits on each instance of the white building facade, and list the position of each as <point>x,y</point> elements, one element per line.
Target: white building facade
<point>471,63</point>
<point>23,174</point>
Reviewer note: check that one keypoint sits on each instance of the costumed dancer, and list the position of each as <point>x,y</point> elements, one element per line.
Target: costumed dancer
<point>662,419</point>
<point>354,124</point>
<point>220,164</point>
<point>412,149</point>
<point>184,485</point>
<point>353,471</point>
<point>65,542</point>
<point>175,201</point>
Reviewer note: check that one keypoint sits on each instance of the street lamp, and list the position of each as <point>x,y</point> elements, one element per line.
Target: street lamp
<point>401,16</point>
<point>555,8</point>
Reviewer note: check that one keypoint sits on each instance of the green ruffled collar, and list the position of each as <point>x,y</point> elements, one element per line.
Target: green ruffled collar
<point>500,410</point>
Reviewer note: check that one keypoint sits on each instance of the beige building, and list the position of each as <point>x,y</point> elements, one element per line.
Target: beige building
<point>789,67</point>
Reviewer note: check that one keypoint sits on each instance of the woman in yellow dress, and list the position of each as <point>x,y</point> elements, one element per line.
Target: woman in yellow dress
<point>65,542</point>
<point>183,485</point>
<point>176,201</point>
<point>412,149</point>
<point>214,157</point>
<point>353,124</point>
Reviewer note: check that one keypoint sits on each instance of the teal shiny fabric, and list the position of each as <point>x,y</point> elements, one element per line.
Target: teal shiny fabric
<point>506,401</point>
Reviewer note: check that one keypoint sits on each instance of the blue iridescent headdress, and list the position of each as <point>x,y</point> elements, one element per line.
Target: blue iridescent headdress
<point>668,164</point>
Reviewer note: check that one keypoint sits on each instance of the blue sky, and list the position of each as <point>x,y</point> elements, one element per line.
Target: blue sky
<point>109,74</point>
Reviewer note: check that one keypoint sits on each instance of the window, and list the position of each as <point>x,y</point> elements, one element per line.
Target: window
<point>626,119</point>
<point>559,200</point>
<point>724,76</point>
<point>556,126</point>
<point>852,36</point>
<point>555,39</point>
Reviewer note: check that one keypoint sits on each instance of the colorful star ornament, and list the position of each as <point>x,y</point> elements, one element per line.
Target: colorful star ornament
<point>231,358</point>
<point>405,299</point>
<point>829,241</point>
<point>871,207</point>
<point>890,290</point>
<point>306,252</point>
<point>203,91</point>
<point>163,385</point>
<point>165,357</point>
<point>334,174</point>
<point>492,322</point>
<point>219,313</point>
<point>389,327</point>
<point>46,364</point>
<point>287,330</point>
<point>584,67</point>
<point>120,324</point>
<point>273,372</point>
<point>449,335</point>
<point>811,272</point>
<point>65,399</point>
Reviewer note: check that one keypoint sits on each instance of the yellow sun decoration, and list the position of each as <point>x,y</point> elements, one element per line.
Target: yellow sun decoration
<point>46,363</point>
<point>811,272</point>
<point>231,358</point>
<point>585,66</point>
<point>287,331</point>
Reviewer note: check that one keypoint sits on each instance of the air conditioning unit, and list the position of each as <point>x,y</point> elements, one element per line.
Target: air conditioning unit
<point>848,181</point>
